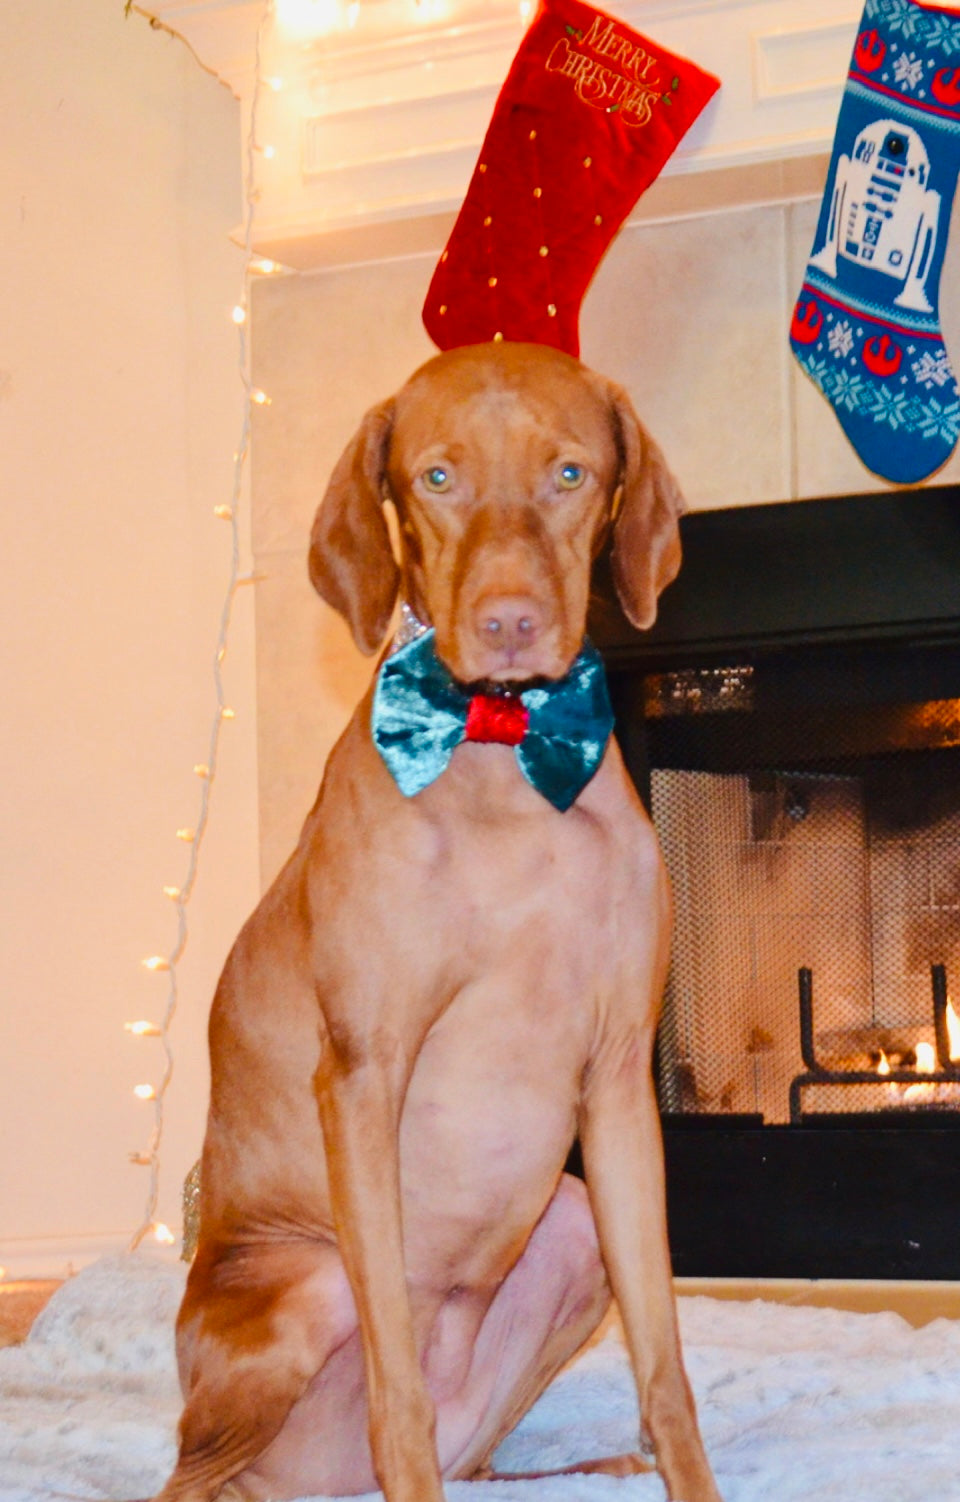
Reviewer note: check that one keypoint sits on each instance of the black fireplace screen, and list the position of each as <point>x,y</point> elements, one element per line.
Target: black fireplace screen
<point>808,806</point>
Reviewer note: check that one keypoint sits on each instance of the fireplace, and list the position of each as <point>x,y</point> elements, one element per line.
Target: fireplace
<point>793,723</point>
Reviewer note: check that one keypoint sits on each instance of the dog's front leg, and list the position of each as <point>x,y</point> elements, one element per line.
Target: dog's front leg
<point>623,1163</point>
<point>360,1091</point>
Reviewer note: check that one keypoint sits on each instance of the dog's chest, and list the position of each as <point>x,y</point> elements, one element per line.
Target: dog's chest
<point>518,945</point>
<point>491,1111</point>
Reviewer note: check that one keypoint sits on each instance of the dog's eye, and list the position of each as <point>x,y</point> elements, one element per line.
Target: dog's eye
<point>436,478</point>
<point>570,476</point>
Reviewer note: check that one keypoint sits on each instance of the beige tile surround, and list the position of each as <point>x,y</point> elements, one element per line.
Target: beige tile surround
<point>916,1302</point>
<point>690,311</point>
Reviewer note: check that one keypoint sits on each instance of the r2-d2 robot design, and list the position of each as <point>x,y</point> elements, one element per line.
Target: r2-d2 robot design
<point>882,214</point>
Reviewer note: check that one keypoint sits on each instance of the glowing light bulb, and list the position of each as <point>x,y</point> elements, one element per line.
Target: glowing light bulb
<point>172,892</point>
<point>227,713</point>
<point>201,769</point>
<point>144,1092</point>
<point>269,152</point>
<point>225,513</point>
<point>260,397</point>
<point>238,313</point>
<point>309,19</point>
<point>163,1234</point>
<point>142,1029</point>
<point>3,1273</point>
<point>187,836</point>
<point>264,266</point>
<point>142,1160</point>
<point>276,84</point>
<point>155,962</point>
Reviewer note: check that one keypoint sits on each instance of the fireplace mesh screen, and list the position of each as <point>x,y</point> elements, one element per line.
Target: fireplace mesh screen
<point>847,865</point>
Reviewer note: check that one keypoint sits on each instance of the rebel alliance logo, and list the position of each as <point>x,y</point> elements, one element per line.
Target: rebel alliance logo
<point>609,71</point>
<point>870,51</point>
<point>946,87</point>
<point>883,213</point>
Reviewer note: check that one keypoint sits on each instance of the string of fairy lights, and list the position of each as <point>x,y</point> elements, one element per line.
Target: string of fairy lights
<point>168,964</point>
<point>300,20</point>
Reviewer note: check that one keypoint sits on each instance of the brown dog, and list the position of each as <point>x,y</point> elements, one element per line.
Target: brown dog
<point>440,991</point>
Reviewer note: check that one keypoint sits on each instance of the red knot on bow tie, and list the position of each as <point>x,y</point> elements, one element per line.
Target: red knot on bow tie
<point>497,717</point>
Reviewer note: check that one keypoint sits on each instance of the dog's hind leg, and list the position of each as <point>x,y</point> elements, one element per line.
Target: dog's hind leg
<point>254,1330</point>
<point>551,1302</point>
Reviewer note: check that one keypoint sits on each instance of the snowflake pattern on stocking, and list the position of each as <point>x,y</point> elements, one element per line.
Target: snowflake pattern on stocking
<point>847,383</point>
<point>933,369</point>
<point>908,70</point>
<point>840,339</point>
<point>941,421</point>
<point>926,28</point>
<point>846,390</point>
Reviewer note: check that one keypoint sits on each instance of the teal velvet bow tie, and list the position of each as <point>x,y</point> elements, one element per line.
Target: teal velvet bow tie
<point>559,731</point>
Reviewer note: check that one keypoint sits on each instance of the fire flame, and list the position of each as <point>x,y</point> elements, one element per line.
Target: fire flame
<point>926,1058</point>
<point>953,1032</point>
<point>927,1062</point>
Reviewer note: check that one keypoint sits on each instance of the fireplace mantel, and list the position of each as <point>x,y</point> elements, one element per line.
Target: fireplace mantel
<point>376,127</point>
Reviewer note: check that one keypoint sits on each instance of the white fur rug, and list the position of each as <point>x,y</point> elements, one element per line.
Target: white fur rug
<point>796,1405</point>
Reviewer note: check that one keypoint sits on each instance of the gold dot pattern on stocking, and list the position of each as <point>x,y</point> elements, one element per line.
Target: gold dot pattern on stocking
<point>544,279</point>
<point>498,337</point>
<point>443,308</point>
<point>588,161</point>
<point>485,189</point>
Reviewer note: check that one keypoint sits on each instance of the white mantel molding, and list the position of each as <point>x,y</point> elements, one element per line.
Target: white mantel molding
<point>375,130</point>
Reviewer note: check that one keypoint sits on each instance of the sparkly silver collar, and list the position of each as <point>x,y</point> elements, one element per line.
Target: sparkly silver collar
<point>410,627</point>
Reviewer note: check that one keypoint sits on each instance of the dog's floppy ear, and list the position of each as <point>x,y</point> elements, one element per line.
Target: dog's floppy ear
<point>646,538</point>
<point>351,562</point>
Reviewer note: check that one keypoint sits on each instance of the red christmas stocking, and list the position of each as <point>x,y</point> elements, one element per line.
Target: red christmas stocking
<point>589,113</point>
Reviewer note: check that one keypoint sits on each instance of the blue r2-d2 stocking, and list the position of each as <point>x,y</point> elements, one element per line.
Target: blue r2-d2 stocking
<point>866,325</point>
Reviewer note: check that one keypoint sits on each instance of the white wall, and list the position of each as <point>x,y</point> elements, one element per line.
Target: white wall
<point>120,408</point>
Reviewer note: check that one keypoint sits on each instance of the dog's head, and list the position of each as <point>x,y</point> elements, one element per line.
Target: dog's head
<point>507,464</point>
